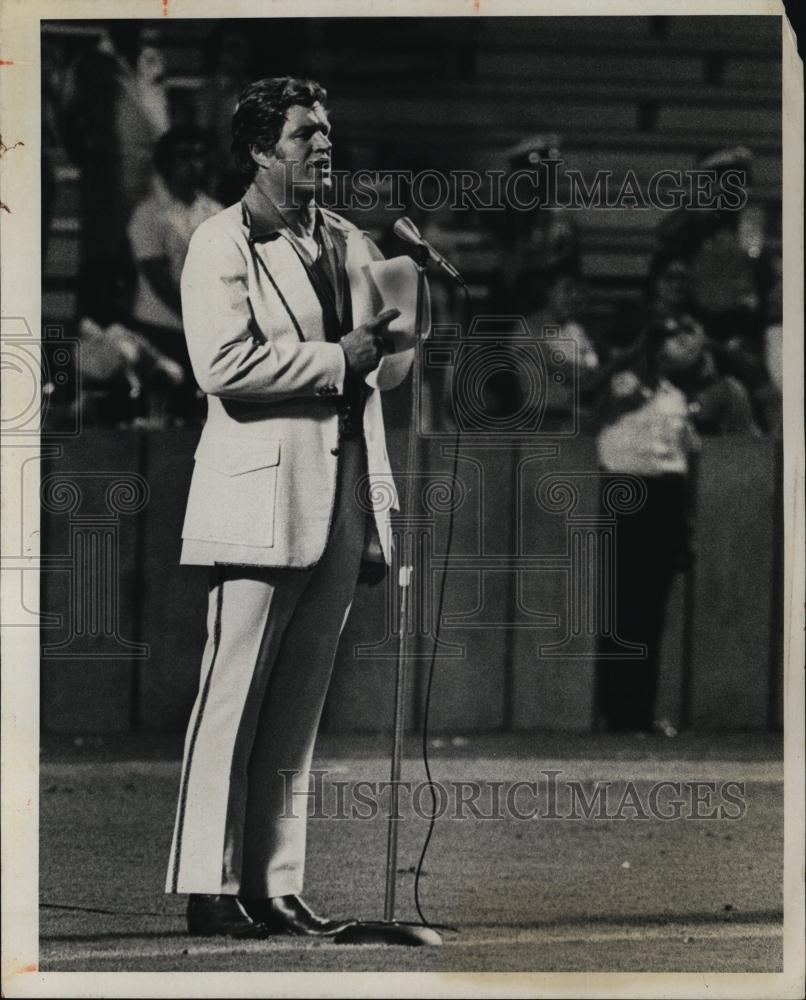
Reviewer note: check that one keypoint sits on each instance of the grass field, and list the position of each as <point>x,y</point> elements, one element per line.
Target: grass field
<point>540,894</point>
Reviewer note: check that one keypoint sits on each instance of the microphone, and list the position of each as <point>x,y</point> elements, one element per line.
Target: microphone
<point>405,230</point>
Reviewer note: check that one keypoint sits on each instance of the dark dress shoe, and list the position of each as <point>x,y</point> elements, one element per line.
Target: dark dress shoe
<point>289,915</point>
<point>222,915</point>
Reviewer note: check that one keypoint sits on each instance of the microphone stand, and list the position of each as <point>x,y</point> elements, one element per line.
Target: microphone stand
<point>389,931</point>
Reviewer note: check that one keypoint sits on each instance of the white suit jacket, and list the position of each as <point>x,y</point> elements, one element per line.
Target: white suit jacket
<point>264,478</point>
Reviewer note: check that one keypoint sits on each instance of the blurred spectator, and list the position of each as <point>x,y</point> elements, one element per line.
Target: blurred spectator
<point>540,238</point>
<point>537,263</point>
<point>731,274</point>
<point>115,109</point>
<point>231,60</point>
<point>143,116</point>
<point>645,431</point>
<point>122,379</point>
<point>159,234</point>
<point>719,404</point>
<point>553,304</point>
<point>561,298</point>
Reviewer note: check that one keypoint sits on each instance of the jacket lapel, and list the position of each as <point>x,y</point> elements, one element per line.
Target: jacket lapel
<point>291,282</point>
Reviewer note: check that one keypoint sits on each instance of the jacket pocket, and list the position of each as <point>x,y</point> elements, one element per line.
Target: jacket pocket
<point>233,491</point>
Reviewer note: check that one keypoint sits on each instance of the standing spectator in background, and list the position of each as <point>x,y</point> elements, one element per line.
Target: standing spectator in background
<point>558,301</point>
<point>645,431</point>
<point>719,403</point>
<point>159,234</point>
<point>115,109</point>
<point>142,116</point>
<point>217,98</point>
<point>536,237</point>
<point>553,303</point>
<point>730,272</point>
<point>538,257</point>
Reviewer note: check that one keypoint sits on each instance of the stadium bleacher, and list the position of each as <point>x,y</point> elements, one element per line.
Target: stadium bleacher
<point>639,93</point>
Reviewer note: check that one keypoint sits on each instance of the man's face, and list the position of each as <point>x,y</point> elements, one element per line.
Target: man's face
<point>302,155</point>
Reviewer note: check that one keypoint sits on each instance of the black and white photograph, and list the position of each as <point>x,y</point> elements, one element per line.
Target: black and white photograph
<point>403,500</point>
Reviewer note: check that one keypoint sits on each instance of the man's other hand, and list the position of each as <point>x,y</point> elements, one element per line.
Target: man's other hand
<point>363,346</point>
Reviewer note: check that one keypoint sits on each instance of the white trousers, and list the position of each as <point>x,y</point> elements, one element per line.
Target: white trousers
<point>272,638</point>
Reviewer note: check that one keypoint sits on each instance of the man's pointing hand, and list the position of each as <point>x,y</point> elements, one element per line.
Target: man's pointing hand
<point>364,346</point>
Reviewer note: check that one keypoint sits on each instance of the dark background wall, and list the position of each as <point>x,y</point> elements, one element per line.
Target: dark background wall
<point>730,678</point>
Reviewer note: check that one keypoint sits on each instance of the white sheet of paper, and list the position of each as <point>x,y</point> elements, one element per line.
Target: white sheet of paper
<point>395,284</point>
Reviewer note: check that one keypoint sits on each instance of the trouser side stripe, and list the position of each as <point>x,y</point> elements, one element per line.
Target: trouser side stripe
<point>180,822</point>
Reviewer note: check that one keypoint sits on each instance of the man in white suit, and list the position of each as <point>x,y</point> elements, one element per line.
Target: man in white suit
<point>281,330</point>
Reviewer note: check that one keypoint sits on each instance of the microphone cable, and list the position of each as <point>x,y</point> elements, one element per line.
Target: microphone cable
<point>431,667</point>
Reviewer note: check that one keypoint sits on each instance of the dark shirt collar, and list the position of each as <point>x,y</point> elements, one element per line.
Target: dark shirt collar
<point>262,217</point>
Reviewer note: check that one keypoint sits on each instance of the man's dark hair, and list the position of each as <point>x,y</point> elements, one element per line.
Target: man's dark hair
<point>260,113</point>
<point>167,145</point>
